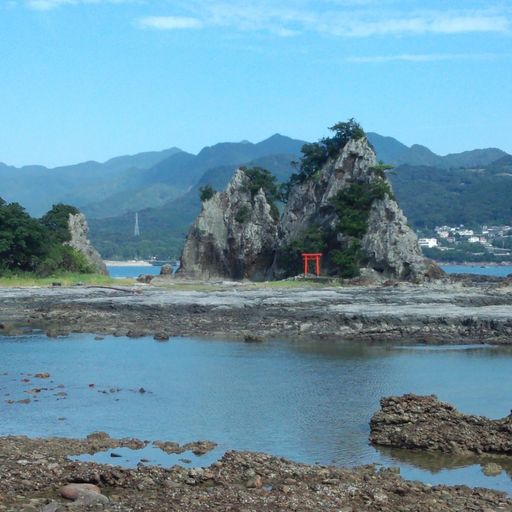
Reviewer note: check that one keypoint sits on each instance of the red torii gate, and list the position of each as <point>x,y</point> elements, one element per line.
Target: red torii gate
<point>312,256</point>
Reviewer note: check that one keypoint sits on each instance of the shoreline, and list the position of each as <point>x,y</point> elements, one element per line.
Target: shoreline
<point>445,312</point>
<point>475,264</point>
<point>130,263</point>
<point>238,481</point>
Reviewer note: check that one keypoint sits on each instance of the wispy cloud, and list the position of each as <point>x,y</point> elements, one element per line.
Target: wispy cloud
<point>47,5</point>
<point>425,57</point>
<point>170,22</point>
<point>341,18</point>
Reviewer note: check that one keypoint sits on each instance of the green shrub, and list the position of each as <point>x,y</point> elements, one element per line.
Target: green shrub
<point>56,221</point>
<point>63,258</point>
<point>261,179</point>
<point>316,154</point>
<point>243,214</point>
<point>353,204</point>
<point>30,245</point>
<point>313,239</point>
<point>380,169</point>
<point>206,193</point>
<point>348,260</point>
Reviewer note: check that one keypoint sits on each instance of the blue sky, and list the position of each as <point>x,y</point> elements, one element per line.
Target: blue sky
<point>92,79</point>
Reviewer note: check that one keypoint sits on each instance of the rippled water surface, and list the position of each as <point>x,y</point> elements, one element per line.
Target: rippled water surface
<point>310,402</point>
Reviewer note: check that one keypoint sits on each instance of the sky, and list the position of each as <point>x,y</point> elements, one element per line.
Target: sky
<point>92,79</point>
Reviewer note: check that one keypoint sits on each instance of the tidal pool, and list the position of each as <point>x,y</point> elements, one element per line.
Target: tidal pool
<point>308,401</point>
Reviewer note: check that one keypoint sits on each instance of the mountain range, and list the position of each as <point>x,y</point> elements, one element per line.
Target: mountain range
<point>163,187</point>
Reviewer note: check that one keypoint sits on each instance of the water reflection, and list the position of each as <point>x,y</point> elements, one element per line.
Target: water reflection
<point>437,462</point>
<point>310,402</point>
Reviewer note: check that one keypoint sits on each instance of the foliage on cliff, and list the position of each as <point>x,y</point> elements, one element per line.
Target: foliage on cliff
<point>36,245</point>
<point>340,244</point>
<point>316,154</point>
<point>261,179</point>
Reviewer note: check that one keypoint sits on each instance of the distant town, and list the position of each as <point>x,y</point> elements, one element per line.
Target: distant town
<point>460,243</point>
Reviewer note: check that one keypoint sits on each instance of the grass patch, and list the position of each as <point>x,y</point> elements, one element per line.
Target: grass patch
<point>299,283</point>
<point>65,279</point>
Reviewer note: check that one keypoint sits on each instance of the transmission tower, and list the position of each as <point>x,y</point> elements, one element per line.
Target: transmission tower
<point>136,231</point>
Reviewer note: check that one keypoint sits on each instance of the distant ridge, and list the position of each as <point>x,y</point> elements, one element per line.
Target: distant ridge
<point>394,152</point>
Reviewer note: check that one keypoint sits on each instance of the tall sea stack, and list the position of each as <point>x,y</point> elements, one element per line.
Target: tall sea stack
<point>347,211</point>
<point>234,236</point>
<point>339,203</point>
<point>79,231</point>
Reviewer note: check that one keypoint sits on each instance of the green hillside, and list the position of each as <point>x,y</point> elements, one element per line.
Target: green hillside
<point>431,196</point>
<point>77,184</point>
<point>163,229</point>
<point>394,152</point>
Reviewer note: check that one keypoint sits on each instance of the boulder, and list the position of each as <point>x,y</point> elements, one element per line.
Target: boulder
<point>166,270</point>
<point>74,491</point>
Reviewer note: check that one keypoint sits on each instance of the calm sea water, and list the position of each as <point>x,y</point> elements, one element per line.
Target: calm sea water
<point>310,402</point>
<point>119,272</point>
<point>133,272</point>
<point>500,271</point>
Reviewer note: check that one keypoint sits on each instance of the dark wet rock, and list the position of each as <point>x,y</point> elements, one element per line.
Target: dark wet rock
<point>252,338</point>
<point>166,270</point>
<point>197,447</point>
<point>145,278</point>
<point>160,336</point>
<point>426,423</point>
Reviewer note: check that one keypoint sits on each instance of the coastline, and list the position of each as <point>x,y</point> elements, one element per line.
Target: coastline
<point>238,481</point>
<point>461,311</point>
<point>130,263</point>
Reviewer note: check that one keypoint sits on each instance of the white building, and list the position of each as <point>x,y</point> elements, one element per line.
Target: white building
<point>428,242</point>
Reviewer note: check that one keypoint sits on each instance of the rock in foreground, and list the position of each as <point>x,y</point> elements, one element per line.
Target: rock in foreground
<point>34,471</point>
<point>425,423</point>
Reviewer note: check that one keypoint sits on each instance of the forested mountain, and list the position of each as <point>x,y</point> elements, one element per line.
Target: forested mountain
<point>37,187</point>
<point>163,229</point>
<point>432,196</point>
<point>394,152</point>
<point>472,187</point>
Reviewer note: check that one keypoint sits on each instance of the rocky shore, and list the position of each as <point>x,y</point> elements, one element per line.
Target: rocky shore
<point>425,423</point>
<point>37,476</point>
<point>462,311</point>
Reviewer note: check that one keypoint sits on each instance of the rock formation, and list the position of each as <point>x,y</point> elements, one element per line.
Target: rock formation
<point>425,423</point>
<point>342,207</point>
<point>234,236</point>
<point>78,229</point>
<point>389,245</point>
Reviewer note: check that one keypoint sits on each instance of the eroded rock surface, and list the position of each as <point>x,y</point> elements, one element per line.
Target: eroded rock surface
<point>431,313</point>
<point>34,471</point>
<point>234,236</point>
<point>426,423</point>
<point>390,245</point>
<point>79,230</point>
